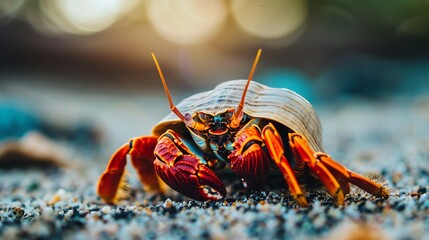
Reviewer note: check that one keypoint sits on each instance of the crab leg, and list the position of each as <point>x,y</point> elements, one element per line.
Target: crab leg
<point>302,151</point>
<point>112,181</point>
<point>346,175</point>
<point>275,148</point>
<point>327,164</point>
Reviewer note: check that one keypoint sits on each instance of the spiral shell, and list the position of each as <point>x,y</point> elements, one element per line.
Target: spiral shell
<point>278,104</point>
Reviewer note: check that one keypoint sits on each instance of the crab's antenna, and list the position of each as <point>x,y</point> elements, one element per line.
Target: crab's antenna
<point>238,114</point>
<point>187,119</point>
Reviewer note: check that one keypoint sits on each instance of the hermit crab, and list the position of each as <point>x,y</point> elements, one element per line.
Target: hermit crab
<point>269,130</point>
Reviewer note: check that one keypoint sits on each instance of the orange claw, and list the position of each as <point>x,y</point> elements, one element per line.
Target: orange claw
<point>112,182</point>
<point>302,150</point>
<point>275,148</point>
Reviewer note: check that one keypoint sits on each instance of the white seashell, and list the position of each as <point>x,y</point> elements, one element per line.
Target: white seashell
<point>278,104</point>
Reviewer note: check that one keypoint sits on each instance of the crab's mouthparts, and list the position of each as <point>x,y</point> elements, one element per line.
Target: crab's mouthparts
<point>218,131</point>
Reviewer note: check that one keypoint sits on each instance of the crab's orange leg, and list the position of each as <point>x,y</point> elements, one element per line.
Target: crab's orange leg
<point>112,180</point>
<point>275,148</point>
<point>347,175</point>
<point>338,170</point>
<point>302,151</point>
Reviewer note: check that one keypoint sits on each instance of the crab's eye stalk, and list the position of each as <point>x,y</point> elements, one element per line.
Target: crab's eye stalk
<point>228,115</point>
<point>238,114</point>
<point>187,118</point>
<point>203,117</point>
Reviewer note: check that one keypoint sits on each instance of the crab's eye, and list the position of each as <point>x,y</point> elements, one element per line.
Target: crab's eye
<point>226,115</point>
<point>204,117</point>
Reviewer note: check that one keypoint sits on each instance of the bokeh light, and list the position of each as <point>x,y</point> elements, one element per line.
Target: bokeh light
<point>187,21</point>
<point>81,16</point>
<point>269,19</point>
<point>10,7</point>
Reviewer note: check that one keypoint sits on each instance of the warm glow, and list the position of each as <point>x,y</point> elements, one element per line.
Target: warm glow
<point>82,16</point>
<point>269,19</point>
<point>187,21</point>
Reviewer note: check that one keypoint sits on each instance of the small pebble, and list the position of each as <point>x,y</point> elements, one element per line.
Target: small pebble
<point>106,209</point>
<point>68,214</point>
<point>168,203</point>
<point>18,212</point>
<point>59,196</point>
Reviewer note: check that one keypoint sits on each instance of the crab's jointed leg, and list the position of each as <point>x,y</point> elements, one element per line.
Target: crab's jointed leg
<point>275,148</point>
<point>184,170</point>
<point>252,164</point>
<point>345,174</point>
<point>140,150</point>
<point>303,152</point>
<point>332,174</point>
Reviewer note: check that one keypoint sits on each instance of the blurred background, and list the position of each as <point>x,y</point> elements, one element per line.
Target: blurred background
<point>81,70</point>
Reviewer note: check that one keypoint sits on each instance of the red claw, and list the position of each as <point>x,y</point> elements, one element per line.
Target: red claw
<point>191,178</point>
<point>185,173</point>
